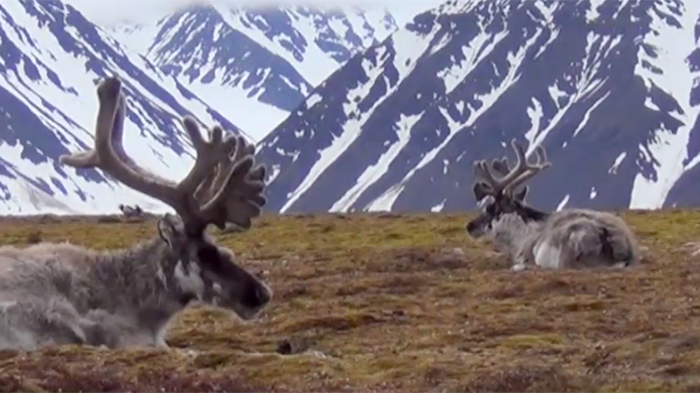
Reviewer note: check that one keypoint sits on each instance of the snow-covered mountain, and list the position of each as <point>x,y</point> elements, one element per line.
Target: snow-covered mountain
<point>50,60</point>
<point>255,65</point>
<point>610,88</point>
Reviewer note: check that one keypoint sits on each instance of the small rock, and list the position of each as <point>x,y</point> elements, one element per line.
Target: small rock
<point>458,251</point>
<point>284,347</point>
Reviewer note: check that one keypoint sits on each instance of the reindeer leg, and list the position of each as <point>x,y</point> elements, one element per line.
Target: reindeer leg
<point>518,267</point>
<point>103,329</point>
<point>160,342</point>
<point>523,258</point>
<point>35,322</point>
<point>116,331</point>
<point>96,335</point>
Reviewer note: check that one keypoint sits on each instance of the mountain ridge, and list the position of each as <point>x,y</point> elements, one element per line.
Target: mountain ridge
<point>457,83</point>
<point>264,61</point>
<point>52,59</point>
<point>47,113</point>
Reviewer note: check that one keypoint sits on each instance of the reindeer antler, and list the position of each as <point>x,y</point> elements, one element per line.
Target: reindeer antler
<point>500,166</point>
<point>222,186</point>
<point>236,198</point>
<point>510,178</point>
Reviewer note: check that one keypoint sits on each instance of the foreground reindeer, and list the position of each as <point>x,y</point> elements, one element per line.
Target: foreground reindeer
<point>67,294</point>
<point>572,238</point>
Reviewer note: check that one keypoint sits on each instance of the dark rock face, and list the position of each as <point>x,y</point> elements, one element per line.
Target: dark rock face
<point>257,63</point>
<point>51,59</point>
<point>610,89</point>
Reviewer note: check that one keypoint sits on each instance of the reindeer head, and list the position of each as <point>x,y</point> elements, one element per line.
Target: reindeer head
<point>224,186</point>
<point>497,196</point>
<point>210,271</point>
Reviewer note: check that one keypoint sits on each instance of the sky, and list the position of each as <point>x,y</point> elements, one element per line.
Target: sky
<point>102,11</point>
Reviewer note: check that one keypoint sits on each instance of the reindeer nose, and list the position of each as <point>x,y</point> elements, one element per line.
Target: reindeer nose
<point>257,296</point>
<point>470,227</point>
<point>263,295</point>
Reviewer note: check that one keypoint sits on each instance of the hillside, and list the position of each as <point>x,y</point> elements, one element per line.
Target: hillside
<point>256,63</point>
<point>52,59</point>
<point>610,89</point>
<point>407,303</point>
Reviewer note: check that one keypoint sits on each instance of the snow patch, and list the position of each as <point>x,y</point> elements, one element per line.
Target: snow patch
<point>668,149</point>
<point>563,202</point>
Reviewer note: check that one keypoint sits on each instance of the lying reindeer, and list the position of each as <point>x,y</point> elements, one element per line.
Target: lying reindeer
<point>66,294</point>
<point>129,211</point>
<point>570,238</point>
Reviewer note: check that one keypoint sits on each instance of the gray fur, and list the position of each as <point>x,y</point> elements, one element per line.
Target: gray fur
<point>66,294</point>
<point>571,238</point>
<point>574,238</point>
<point>131,211</point>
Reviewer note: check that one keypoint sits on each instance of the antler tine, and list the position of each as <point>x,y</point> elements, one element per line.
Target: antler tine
<point>541,156</point>
<point>234,194</point>
<point>483,171</point>
<point>205,185</point>
<point>519,168</point>
<point>209,154</point>
<point>231,194</point>
<point>109,156</point>
<point>226,193</point>
<point>218,174</point>
<point>482,174</point>
<point>500,166</point>
<point>258,173</point>
<point>532,169</point>
<point>242,200</point>
<point>108,153</point>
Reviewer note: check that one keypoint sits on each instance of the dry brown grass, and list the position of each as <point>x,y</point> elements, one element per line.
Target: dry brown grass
<point>410,303</point>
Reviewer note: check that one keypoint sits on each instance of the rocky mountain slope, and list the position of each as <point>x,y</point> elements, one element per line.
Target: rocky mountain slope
<point>51,59</point>
<point>609,88</point>
<point>255,64</point>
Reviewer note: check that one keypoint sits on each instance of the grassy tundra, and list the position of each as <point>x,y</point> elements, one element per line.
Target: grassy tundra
<point>401,302</point>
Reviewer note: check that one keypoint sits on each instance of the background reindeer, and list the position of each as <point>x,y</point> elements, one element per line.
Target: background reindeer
<point>67,294</point>
<point>131,211</point>
<point>571,238</point>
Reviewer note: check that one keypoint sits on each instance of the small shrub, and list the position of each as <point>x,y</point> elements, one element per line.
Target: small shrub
<point>34,237</point>
<point>108,220</point>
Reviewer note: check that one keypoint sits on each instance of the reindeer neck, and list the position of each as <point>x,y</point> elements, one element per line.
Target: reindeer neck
<point>512,232</point>
<point>531,214</point>
<point>144,280</point>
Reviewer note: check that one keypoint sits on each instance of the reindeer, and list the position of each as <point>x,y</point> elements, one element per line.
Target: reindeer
<point>129,211</point>
<point>570,238</point>
<point>60,293</point>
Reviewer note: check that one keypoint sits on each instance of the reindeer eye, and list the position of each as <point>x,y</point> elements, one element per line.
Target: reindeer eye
<point>491,210</point>
<point>207,254</point>
<point>211,259</point>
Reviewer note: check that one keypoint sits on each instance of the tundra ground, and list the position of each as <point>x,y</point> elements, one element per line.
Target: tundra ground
<point>402,303</point>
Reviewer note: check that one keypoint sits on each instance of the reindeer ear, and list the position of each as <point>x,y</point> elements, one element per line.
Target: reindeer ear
<point>481,190</point>
<point>168,230</point>
<point>520,195</point>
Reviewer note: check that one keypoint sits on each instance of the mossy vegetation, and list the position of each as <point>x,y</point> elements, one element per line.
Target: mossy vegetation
<point>386,302</point>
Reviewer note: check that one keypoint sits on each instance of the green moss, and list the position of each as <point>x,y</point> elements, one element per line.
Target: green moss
<point>401,303</point>
<point>524,341</point>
